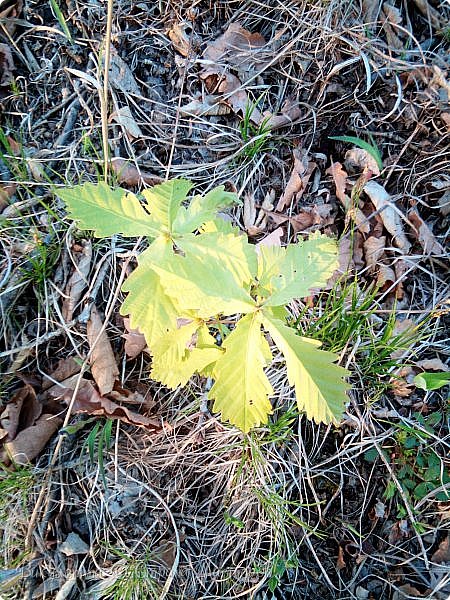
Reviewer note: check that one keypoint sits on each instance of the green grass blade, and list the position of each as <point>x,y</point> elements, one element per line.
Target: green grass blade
<point>370,148</point>
<point>61,20</point>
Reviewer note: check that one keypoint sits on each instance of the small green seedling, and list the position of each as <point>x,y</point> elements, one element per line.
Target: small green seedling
<point>432,381</point>
<point>200,271</point>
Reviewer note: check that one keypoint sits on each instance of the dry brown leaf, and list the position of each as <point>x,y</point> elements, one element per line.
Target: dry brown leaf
<point>273,239</point>
<point>134,340</point>
<point>430,13</point>
<point>407,591</point>
<point>66,367</point>
<point>340,181</point>
<point>373,251</point>
<point>78,280</point>
<point>209,106</point>
<point>358,158</point>
<point>424,234</point>
<point>121,76</point>
<point>445,116</point>
<point>229,86</point>
<point>30,442</point>
<point>318,215</point>
<point>432,364</point>
<point>442,554</point>
<point>89,401</point>
<point>6,66</point>
<point>249,214</point>
<point>290,113</point>
<point>18,414</point>
<point>124,117</point>
<point>340,561</point>
<point>181,41</point>
<point>298,179</point>
<point>238,48</point>
<point>103,364</point>
<point>129,174</point>
<point>9,14</point>
<point>381,199</point>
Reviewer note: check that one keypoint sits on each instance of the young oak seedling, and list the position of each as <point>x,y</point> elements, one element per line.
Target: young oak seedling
<point>198,269</point>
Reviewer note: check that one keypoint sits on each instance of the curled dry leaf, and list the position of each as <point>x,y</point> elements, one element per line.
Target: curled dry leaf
<point>229,86</point>
<point>121,76</point>
<point>183,42</point>
<point>89,401</point>
<point>6,66</point>
<point>432,364</point>
<point>209,106</point>
<point>78,280</point>
<point>390,215</point>
<point>124,118</point>
<point>130,175</point>
<point>442,554</point>
<point>358,158</point>
<point>238,48</point>
<point>249,214</point>
<point>340,181</point>
<point>373,251</point>
<point>134,340</point>
<point>298,180</point>
<point>18,414</point>
<point>290,113</point>
<point>424,234</point>
<point>30,442</point>
<point>66,367</point>
<point>103,364</point>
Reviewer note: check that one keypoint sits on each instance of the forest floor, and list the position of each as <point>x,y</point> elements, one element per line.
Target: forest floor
<point>143,492</point>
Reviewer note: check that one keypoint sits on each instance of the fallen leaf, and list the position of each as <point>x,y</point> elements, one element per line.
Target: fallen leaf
<point>340,561</point>
<point>273,239</point>
<point>129,174</point>
<point>249,214</point>
<point>424,234</point>
<point>124,117</point>
<point>432,364</point>
<point>9,14</point>
<point>121,76</point>
<point>66,367</point>
<point>442,554</point>
<point>430,13</point>
<point>390,216</point>
<point>229,86</point>
<point>373,251</point>
<point>399,532</point>
<point>20,412</point>
<point>298,179</point>
<point>361,159</point>
<point>78,280</point>
<point>209,106</point>
<point>380,509</point>
<point>318,215</point>
<point>103,363</point>
<point>238,48</point>
<point>340,181</point>
<point>73,544</point>
<point>290,113</point>
<point>407,591</point>
<point>89,401</point>
<point>30,442</point>
<point>6,66</point>
<point>181,41</point>
<point>134,340</point>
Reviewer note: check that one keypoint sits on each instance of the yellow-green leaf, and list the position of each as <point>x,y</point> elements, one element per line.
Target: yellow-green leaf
<point>181,353</point>
<point>164,200</point>
<point>200,284</point>
<point>151,310</point>
<point>107,212</point>
<point>241,389</point>
<point>306,265</point>
<point>319,383</point>
<point>202,209</point>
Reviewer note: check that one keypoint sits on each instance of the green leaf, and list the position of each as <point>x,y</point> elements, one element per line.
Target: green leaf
<point>319,385</point>
<point>175,359</point>
<point>151,310</point>
<point>219,225</point>
<point>107,212</point>
<point>270,261</point>
<point>164,201</point>
<point>370,148</point>
<point>231,252</point>
<point>198,283</point>
<point>305,265</point>
<point>202,209</point>
<point>432,381</point>
<point>241,390</point>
